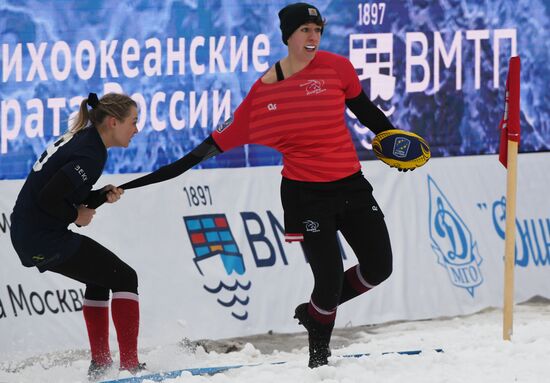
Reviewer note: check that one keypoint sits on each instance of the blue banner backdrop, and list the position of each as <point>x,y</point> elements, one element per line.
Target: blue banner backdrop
<point>437,68</point>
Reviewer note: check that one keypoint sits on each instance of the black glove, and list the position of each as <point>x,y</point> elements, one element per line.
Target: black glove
<point>405,170</point>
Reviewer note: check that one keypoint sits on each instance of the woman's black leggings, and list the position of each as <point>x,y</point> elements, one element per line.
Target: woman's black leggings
<point>100,269</point>
<point>366,233</point>
<point>318,211</point>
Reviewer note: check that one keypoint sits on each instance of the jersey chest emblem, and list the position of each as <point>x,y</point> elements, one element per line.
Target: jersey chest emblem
<point>314,87</point>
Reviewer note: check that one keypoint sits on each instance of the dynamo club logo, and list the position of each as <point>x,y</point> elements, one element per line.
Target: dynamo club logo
<point>452,242</point>
<point>218,259</point>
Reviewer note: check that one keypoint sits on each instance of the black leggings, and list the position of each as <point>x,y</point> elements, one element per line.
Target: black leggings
<point>319,211</point>
<point>98,268</point>
<point>366,233</point>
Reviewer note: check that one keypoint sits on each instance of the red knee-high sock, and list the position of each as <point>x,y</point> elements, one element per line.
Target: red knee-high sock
<point>96,316</point>
<point>325,317</point>
<point>125,311</point>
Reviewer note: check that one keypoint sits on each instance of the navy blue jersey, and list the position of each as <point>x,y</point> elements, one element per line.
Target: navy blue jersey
<point>38,237</point>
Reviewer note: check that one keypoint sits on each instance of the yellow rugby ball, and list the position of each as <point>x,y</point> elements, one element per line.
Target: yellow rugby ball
<point>401,149</point>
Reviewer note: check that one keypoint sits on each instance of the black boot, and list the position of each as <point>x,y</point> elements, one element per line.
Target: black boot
<point>96,371</point>
<point>318,336</point>
<point>140,367</point>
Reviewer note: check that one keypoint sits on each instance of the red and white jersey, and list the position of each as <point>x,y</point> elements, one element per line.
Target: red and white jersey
<point>303,118</point>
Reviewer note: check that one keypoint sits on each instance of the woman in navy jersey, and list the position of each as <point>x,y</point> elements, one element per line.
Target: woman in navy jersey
<point>54,196</point>
<point>297,107</point>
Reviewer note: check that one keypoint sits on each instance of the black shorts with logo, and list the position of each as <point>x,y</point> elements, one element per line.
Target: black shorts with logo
<point>40,247</point>
<point>302,200</point>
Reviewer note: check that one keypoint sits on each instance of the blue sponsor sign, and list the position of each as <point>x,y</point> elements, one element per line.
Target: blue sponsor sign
<point>214,246</point>
<point>189,64</point>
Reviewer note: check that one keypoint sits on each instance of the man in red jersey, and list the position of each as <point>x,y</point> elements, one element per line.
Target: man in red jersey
<point>297,107</point>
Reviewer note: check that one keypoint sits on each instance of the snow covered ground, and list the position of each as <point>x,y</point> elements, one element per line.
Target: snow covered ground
<point>473,352</point>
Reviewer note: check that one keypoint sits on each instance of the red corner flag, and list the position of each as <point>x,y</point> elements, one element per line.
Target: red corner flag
<point>509,143</point>
<point>509,125</point>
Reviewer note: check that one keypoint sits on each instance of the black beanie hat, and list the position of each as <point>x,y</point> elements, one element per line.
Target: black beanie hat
<point>294,15</point>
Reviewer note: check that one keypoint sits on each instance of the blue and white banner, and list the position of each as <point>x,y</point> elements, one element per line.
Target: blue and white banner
<point>210,254</point>
<point>208,246</point>
<point>436,68</point>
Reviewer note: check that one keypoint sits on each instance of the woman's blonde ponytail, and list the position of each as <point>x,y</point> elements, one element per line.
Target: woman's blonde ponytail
<point>111,104</point>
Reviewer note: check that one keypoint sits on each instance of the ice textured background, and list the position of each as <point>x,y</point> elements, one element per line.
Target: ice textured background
<point>455,122</point>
